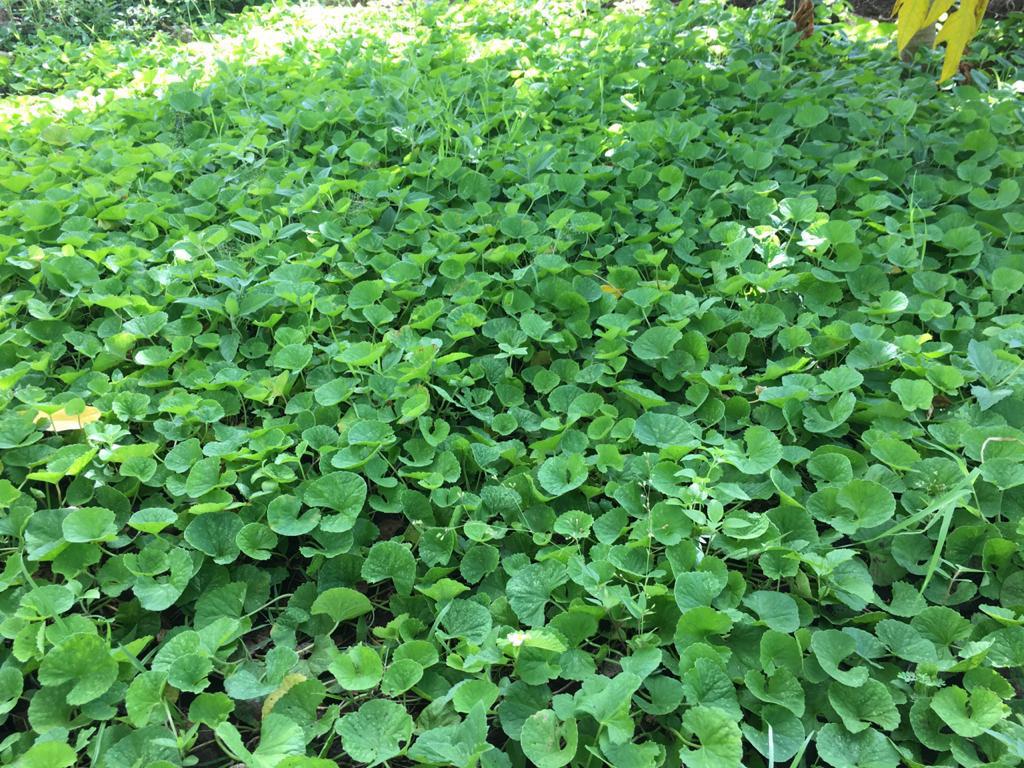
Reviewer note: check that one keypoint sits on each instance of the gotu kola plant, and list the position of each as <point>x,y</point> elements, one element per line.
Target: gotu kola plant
<point>917,16</point>
<point>503,384</point>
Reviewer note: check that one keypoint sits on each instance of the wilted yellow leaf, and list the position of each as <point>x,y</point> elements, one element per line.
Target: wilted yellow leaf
<point>59,421</point>
<point>612,290</point>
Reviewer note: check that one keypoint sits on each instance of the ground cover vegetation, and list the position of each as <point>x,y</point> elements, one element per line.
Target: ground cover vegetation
<point>512,384</point>
<point>28,23</point>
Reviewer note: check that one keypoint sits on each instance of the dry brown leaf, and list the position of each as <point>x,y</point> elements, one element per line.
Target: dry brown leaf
<point>803,18</point>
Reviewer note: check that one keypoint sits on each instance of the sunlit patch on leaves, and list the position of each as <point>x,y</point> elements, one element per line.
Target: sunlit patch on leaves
<point>65,419</point>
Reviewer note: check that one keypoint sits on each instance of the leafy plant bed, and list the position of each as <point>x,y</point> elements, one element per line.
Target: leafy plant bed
<point>512,385</point>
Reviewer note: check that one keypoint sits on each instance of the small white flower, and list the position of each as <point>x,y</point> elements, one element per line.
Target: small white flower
<point>517,638</point>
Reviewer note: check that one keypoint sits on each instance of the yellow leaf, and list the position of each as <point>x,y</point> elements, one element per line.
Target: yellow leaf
<point>911,18</point>
<point>980,6</point>
<point>937,10</point>
<point>957,32</point>
<point>612,290</point>
<point>60,421</point>
<point>289,682</point>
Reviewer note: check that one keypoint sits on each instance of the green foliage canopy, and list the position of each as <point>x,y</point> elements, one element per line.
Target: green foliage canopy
<point>499,384</point>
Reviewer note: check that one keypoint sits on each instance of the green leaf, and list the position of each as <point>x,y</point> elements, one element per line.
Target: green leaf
<point>145,697</point>
<point>914,393</point>
<point>664,430</point>
<point>391,560</point>
<point>466,619</point>
<point>341,604</point>
<point>203,477</point>
<point>763,451</point>
<point>867,749</point>
<point>656,343</point>
<point>720,743</point>
<point>459,745</point>
<point>781,687</point>
<point>48,754</point>
<point>186,661</point>
<point>46,601</point>
<point>343,492</point>
<point>206,186</point>
<point>855,505</point>
<point>357,669</point>
<point>284,518</point>
<point>472,693</point>
<point>831,648</point>
<point>905,642</point>
<point>547,741</point>
<point>291,357</point>
<point>279,738</point>
<point>40,215</point>
<point>517,374</point>
<point>12,685</point>
<point>214,534</point>
<point>400,676</point>
<point>696,589</point>
<point>781,735</point>
<point>863,706</point>
<point>777,610</point>
<point>377,731</point>
<point>869,503</point>
<point>823,419</point>
<point>969,715</point>
<point>256,541</point>
<point>810,115</point>
<point>84,661</point>
<point>89,524</point>
<point>529,590</point>
<point>211,709</point>
<point>563,473</point>
<point>607,701</point>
